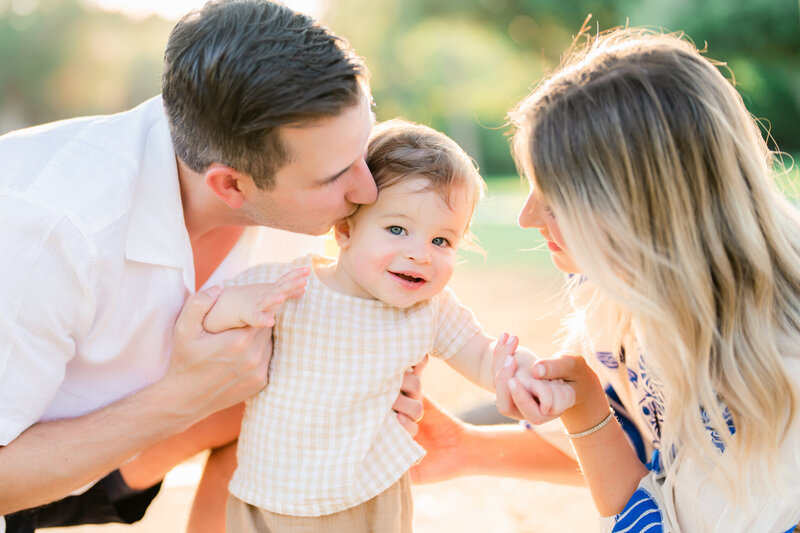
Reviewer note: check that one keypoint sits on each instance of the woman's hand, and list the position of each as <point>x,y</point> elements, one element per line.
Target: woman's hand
<point>590,404</point>
<point>521,393</point>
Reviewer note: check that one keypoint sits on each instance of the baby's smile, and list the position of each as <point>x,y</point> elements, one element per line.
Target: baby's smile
<point>407,277</point>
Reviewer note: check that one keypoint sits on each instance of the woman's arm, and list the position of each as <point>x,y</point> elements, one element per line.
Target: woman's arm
<point>609,464</point>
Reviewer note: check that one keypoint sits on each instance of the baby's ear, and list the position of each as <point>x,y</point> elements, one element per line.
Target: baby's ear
<point>342,232</point>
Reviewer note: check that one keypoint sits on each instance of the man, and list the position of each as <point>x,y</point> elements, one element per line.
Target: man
<point>110,223</point>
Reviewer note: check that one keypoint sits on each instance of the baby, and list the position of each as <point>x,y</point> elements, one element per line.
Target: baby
<point>320,447</point>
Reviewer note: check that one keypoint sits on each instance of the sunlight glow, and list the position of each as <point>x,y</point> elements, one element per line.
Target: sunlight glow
<point>175,9</point>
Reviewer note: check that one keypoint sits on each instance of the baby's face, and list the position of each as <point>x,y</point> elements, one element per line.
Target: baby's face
<point>402,249</point>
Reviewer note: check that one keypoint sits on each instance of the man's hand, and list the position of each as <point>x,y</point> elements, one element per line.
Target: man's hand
<point>441,435</point>
<point>409,405</point>
<point>212,371</point>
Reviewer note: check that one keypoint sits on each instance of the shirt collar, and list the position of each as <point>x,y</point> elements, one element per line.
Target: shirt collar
<point>157,231</point>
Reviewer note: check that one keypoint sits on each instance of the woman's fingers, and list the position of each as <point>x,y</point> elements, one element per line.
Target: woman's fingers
<point>562,365</point>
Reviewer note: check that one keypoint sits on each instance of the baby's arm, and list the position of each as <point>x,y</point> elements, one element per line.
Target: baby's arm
<point>482,358</point>
<point>256,304</point>
<point>474,361</point>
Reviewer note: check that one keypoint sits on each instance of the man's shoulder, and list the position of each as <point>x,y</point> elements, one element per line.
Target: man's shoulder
<point>36,146</point>
<point>85,168</point>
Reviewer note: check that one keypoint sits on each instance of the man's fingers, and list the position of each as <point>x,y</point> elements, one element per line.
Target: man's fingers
<point>408,406</point>
<point>419,367</point>
<point>412,385</point>
<point>195,309</point>
<point>409,425</point>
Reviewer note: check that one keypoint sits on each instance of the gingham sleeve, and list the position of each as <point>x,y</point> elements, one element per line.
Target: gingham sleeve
<point>455,325</point>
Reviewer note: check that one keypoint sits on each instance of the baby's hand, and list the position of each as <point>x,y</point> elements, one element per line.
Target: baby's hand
<point>520,394</point>
<point>549,398</point>
<point>268,297</point>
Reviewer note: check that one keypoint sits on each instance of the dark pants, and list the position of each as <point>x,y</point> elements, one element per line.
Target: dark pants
<point>108,500</point>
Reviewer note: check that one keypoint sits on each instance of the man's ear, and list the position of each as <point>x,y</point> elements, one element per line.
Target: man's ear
<point>341,231</point>
<point>226,184</point>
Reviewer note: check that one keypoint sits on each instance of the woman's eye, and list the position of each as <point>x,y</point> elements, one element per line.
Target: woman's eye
<point>396,230</point>
<point>440,241</point>
<point>549,211</point>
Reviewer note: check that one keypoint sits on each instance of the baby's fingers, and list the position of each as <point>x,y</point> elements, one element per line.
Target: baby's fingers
<point>292,284</point>
<point>504,348</point>
<point>525,403</point>
<point>554,397</point>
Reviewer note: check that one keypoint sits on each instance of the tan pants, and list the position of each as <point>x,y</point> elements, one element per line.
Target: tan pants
<point>389,512</point>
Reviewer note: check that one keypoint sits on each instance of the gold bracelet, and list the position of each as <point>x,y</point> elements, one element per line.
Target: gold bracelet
<point>589,431</point>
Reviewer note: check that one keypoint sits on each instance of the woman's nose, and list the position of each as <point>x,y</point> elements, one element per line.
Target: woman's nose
<point>529,216</point>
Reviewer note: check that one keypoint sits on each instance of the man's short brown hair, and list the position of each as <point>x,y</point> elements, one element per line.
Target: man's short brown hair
<point>235,71</point>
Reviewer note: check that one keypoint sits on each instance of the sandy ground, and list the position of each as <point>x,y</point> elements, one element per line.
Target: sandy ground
<point>510,301</point>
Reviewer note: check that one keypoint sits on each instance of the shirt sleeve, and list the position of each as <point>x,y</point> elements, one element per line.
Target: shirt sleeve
<point>47,307</point>
<point>455,326</point>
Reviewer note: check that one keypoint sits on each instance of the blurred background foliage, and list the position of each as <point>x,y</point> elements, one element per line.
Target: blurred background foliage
<point>453,64</point>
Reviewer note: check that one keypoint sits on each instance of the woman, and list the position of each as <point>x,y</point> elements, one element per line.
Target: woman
<point>650,178</point>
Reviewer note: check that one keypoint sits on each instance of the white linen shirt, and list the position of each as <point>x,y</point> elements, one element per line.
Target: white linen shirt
<point>97,263</point>
<point>322,436</point>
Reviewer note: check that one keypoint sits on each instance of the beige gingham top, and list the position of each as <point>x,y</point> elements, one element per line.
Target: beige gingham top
<point>322,437</point>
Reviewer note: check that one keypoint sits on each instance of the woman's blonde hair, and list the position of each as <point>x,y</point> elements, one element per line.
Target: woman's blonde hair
<point>661,183</point>
<point>399,150</point>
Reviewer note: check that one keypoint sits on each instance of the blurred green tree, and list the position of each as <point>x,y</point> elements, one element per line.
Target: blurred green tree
<point>458,66</point>
<point>62,59</point>
<point>461,67</point>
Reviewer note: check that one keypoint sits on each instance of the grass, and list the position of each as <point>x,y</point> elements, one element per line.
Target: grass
<point>495,227</point>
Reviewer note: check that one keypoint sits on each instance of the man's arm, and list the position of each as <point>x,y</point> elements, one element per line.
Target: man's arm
<point>207,373</point>
<point>457,449</point>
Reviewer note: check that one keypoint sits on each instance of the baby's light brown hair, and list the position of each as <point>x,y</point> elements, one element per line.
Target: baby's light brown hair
<point>399,150</point>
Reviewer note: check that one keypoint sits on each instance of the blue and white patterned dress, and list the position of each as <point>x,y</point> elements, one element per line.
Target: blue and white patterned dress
<point>691,500</point>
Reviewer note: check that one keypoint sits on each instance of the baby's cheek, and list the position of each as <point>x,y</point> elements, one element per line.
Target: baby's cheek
<point>380,262</point>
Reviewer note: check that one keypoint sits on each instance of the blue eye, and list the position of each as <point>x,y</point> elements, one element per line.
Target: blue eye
<point>396,230</point>
<point>440,241</point>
